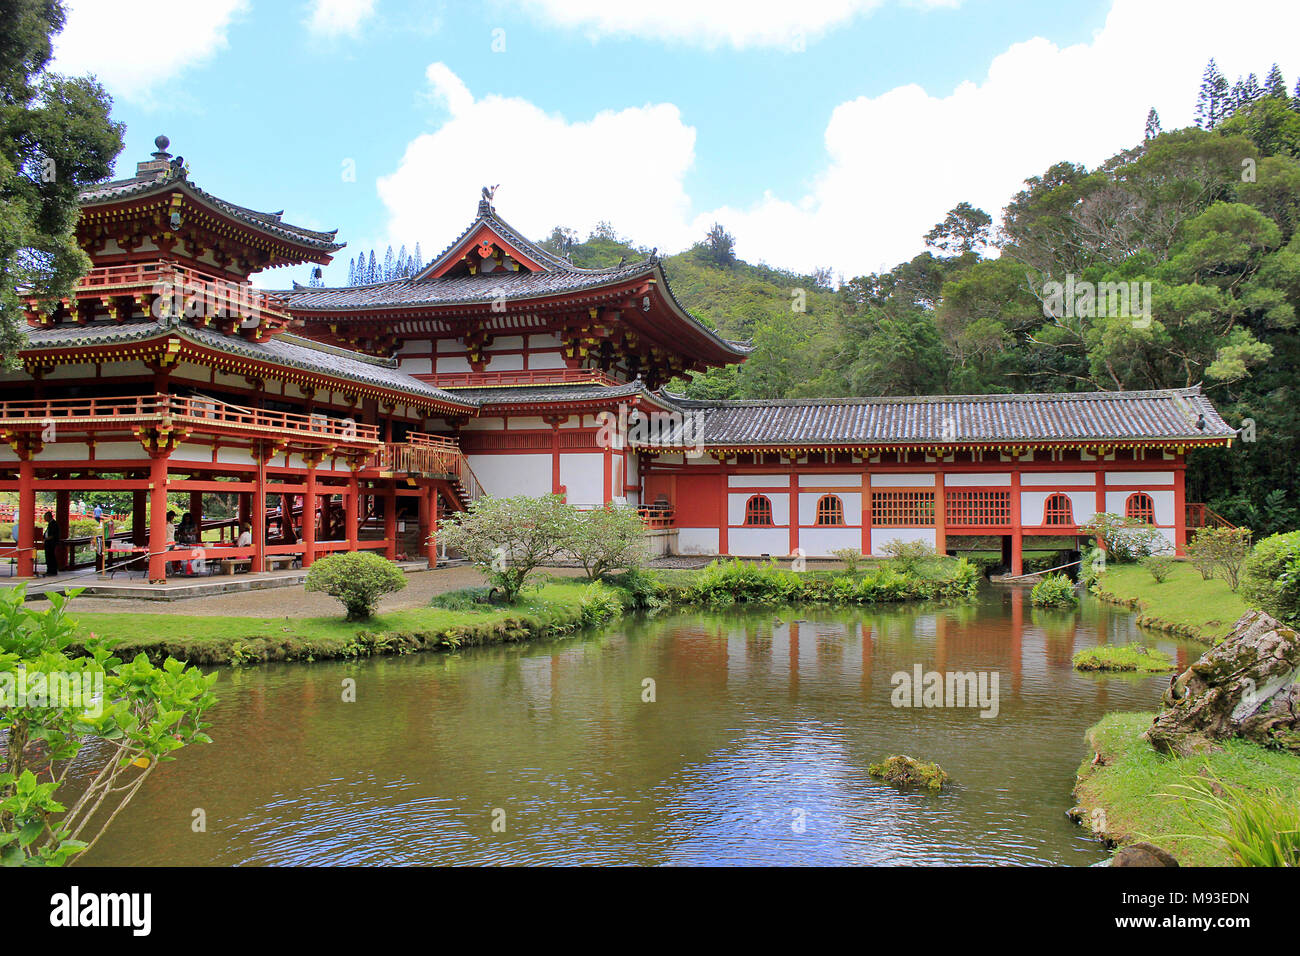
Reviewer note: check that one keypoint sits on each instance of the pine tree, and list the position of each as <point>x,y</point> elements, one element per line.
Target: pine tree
<point>352,271</point>
<point>388,264</point>
<point>372,270</point>
<point>419,263</point>
<point>1211,100</point>
<point>403,263</point>
<point>1153,124</point>
<point>1295,97</point>
<point>1275,85</point>
<point>1250,90</point>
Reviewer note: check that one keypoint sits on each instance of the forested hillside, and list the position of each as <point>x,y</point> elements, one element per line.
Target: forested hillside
<point>1174,262</point>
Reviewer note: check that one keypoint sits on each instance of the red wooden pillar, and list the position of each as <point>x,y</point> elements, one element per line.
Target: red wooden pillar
<point>390,521</point>
<point>1017,537</point>
<point>794,505</point>
<point>940,515</point>
<point>555,457</point>
<point>258,507</point>
<point>608,456</point>
<point>866,507</point>
<point>196,514</point>
<point>26,515</point>
<point>245,508</point>
<point>1180,507</point>
<point>723,518</point>
<point>431,541</point>
<point>309,516</point>
<point>350,516</point>
<point>158,516</point>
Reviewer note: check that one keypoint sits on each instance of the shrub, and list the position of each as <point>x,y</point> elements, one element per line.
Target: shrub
<point>1271,576</point>
<point>1125,539</point>
<point>607,539</point>
<point>508,538</point>
<point>1160,565</point>
<point>1092,565</point>
<point>463,599</point>
<point>851,557</point>
<point>907,556</point>
<point>642,585</point>
<point>599,604</point>
<point>1200,555</point>
<point>1225,548</point>
<point>1054,590</point>
<point>116,721</point>
<point>358,579</point>
<point>1256,828</point>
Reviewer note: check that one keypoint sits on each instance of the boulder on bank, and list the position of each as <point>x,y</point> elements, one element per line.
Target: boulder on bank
<point>1142,854</point>
<point>1248,686</point>
<point>903,771</point>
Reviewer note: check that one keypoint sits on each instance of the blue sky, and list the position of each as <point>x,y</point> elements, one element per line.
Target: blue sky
<point>831,137</point>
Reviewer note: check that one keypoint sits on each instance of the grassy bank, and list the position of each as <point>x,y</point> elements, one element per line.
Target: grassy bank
<point>560,606</point>
<point>1183,604</point>
<point>1133,794</point>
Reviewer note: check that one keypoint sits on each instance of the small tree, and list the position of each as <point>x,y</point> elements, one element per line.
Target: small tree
<point>1159,565</point>
<point>1271,576</point>
<point>1226,548</point>
<point>1201,556</point>
<point>52,705</point>
<point>852,557</point>
<point>358,579</point>
<point>907,556</point>
<point>607,539</point>
<point>1124,539</point>
<point>509,538</point>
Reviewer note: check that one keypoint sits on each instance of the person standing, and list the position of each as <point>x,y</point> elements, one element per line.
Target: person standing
<point>52,542</point>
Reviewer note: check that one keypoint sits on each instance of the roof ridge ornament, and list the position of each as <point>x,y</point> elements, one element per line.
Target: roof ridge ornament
<point>485,206</point>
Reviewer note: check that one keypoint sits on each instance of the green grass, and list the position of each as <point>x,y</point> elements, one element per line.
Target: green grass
<point>1141,794</point>
<point>555,609</point>
<point>1184,604</point>
<point>1123,657</point>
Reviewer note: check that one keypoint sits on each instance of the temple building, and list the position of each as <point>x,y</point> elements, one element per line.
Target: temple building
<point>366,412</point>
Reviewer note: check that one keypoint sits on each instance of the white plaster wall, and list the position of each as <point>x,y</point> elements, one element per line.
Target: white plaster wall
<point>453,363</point>
<point>1139,477</point>
<point>808,508</point>
<point>736,508</point>
<point>1163,500</point>
<point>987,480</point>
<point>582,475</point>
<point>697,540</point>
<point>821,542</point>
<point>235,456</point>
<point>1084,504</point>
<point>902,481</point>
<point>414,365</point>
<point>758,481</point>
<point>881,535</point>
<point>1039,478</point>
<point>545,360</point>
<point>505,475</point>
<point>830,481</point>
<point>753,541</point>
<point>506,363</point>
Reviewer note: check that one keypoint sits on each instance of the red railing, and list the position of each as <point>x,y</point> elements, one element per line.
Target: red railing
<point>189,409</point>
<point>433,456</point>
<point>217,295</point>
<point>539,376</point>
<point>1202,516</point>
<point>657,516</point>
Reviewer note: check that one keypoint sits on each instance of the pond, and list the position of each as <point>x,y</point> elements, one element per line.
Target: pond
<point>753,749</point>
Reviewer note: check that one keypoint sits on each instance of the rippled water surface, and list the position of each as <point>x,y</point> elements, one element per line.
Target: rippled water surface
<point>755,749</point>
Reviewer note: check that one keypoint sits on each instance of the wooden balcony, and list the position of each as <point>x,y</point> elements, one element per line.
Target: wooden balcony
<point>430,456</point>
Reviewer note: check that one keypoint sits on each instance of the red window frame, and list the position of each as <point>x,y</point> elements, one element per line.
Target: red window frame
<point>1142,506</point>
<point>830,511</point>
<point>1058,509</point>
<point>758,512</point>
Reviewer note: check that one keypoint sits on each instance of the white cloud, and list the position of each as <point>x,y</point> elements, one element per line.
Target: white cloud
<point>136,46</point>
<point>711,23</point>
<point>338,17</point>
<point>892,166</point>
<point>897,162</point>
<point>626,167</point>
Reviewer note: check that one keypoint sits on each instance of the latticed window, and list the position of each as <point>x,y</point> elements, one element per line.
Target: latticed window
<point>978,508</point>
<point>758,511</point>
<point>902,509</point>
<point>1140,506</point>
<point>830,510</point>
<point>1058,510</point>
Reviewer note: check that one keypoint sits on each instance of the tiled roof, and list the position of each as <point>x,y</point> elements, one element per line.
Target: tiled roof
<point>488,396</point>
<point>269,222</point>
<point>461,289</point>
<point>949,419</point>
<point>284,349</point>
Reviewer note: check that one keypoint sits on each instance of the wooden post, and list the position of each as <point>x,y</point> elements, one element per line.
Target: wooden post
<point>794,505</point>
<point>1017,536</point>
<point>63,515</point>
<point>309,515</point>
<point>608,458</point>
<point>196,515</point>
<point>351,514</point>
<point>158,516</point>
<point>26,516</point>
<point>723,518</point>
<point>258,506</point>
<point>1180,508</point>
<point>431,542</point>
<point>940,514</point>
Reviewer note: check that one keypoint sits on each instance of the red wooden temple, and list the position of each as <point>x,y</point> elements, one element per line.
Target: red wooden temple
<point>369,411</point>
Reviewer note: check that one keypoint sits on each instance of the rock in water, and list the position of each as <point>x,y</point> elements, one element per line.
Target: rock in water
<point>1142,854</point>
<point>1248,687</point>
<point>901,770</point>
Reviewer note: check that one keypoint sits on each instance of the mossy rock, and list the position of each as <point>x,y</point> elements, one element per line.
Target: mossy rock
<point>901,770</point>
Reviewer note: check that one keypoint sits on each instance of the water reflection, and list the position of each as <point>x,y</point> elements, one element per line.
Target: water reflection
<point>754,751</point>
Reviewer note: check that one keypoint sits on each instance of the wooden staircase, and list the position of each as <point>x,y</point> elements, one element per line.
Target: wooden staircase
<point>1200,515</point>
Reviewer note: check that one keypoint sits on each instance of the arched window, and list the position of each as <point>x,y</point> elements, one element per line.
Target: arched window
<point>1140,506</point>
<point>758,511</point>
<point>1058,510</point>
<point>830,510</point>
